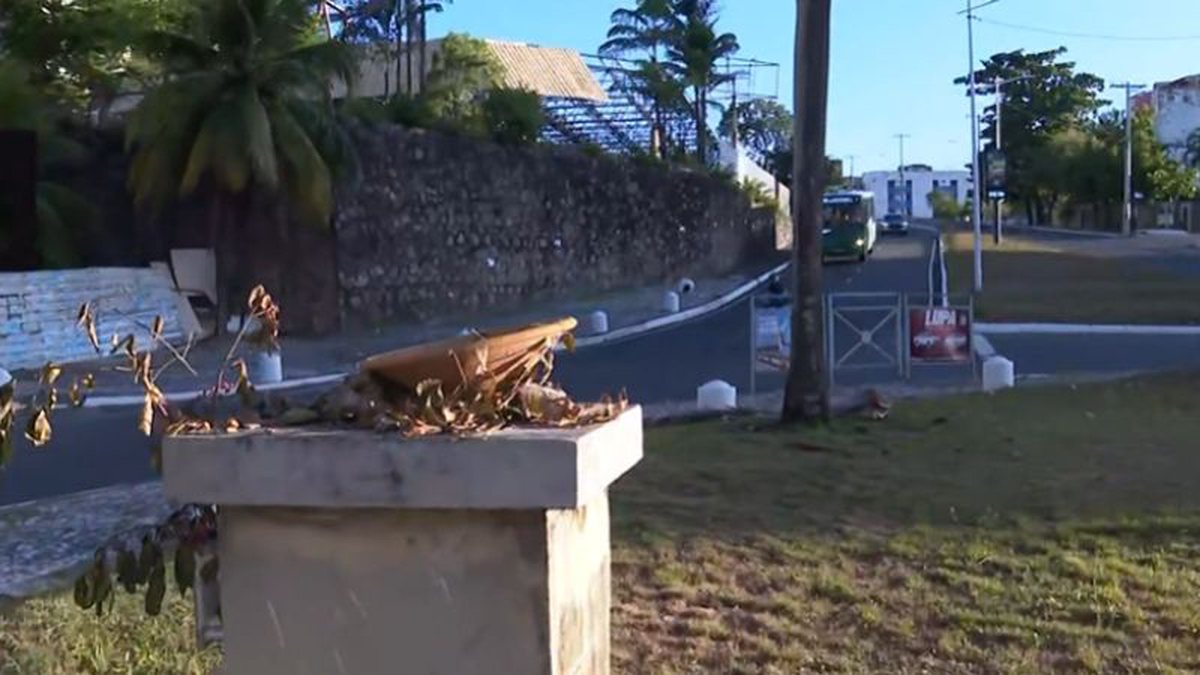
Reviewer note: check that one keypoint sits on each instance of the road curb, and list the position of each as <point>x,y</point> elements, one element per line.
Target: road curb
<point>626,333</point>
<point>1083,329</point>
<point>661,322</point>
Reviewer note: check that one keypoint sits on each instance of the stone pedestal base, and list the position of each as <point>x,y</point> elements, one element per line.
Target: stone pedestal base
<point>352,552</point>
<point>453,592</point>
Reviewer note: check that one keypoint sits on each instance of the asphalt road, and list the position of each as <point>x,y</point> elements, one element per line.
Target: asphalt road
<point>1044,355</point>
<point>98,447</point>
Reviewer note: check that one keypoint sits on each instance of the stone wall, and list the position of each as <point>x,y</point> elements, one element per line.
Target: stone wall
<point>38,311</point>
<point>441,223</point>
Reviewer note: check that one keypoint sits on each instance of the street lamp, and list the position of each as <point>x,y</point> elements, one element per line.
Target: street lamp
<point>1127,211</point>
<point>976,206</point>
<point>999,84</point>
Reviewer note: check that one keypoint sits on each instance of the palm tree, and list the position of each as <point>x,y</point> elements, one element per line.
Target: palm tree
<point>694,52</point>
<point>647,29</point>
<point>423,35</point>
<point>244,110</point>
<point>806,394</point>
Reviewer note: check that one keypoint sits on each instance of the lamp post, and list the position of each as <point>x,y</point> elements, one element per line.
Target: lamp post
<point>1000,83</point>
<point>1127,211</point>
<point>976,205</point>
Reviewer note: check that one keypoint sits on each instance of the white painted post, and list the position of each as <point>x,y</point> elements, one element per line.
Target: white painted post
<point>670,302</point>
<point>598,322</point>
<point>998,373</point>
<point>716,395</point>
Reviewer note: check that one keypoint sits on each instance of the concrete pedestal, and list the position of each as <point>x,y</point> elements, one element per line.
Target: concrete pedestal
<point>356,552</point>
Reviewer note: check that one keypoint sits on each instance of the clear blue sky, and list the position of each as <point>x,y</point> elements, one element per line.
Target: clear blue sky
<point>893,61</point>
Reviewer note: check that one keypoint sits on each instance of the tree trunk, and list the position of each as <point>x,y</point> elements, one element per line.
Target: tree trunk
<point>806,395</point>
<point>423,43</point>
<point>409,24</point>
<point>701,136</point>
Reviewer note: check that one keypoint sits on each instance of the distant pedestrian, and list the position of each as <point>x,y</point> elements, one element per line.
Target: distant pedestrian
<point>775,287</point>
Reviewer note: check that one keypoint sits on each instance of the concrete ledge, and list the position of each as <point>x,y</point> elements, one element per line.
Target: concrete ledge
<point>530,469</point>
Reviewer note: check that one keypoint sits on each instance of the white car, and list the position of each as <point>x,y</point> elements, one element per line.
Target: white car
<point>925,340</point>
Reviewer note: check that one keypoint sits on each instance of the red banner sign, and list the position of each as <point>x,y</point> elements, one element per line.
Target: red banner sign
<point>939,334</point>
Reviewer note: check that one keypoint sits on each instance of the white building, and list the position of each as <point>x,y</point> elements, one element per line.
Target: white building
<point>1176,107</point>
<point>911,194</point>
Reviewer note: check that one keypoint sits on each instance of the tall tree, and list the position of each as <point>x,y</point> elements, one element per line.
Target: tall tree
<point>245,110</point>
<point>399,30</point>
<point>806,394</point>
<point>83,54</point>
<point>1051,97</point>
<point>695,50</point>
<point>646,30</point>
<point>764,126</point>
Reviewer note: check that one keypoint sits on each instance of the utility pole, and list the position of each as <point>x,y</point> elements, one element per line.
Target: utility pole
<point>903,183</point>
<point>851,158</point>
<point>996,234</point>
<point>976,206</point>
<point>1000,83</point>
<point>1127,211</point>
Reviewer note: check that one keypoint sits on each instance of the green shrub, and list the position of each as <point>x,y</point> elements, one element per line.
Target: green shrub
<point>513,116</point>
<point>593,150</point>
<point>413,111</point>
<point>759,195</point>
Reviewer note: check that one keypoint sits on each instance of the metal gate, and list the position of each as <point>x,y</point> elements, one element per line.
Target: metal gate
<point>864,331</point>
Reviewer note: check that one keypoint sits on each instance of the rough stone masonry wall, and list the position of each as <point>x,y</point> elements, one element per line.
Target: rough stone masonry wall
<point>442,223</point>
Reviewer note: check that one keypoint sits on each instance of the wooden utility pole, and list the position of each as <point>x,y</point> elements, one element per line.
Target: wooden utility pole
<point>806,396</point>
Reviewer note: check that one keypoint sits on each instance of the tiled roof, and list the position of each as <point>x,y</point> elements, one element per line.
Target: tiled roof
<point>549,71</point>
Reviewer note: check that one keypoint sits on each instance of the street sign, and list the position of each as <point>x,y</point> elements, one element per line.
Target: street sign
<point>939,334</point>
<point>996,170</point>
<point>772,333</point>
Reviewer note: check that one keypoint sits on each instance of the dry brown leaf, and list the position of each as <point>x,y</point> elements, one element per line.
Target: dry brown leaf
<point>87,321</point>
<point>50,374</point>
<point>76,394</point>
<point>156,329</point>
<point>126,344</point>
<point>38,430</point>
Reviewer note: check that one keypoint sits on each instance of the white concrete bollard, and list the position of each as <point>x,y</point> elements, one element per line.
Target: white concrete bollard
<point>265,367</point>
<point>998,373</point>
<point>598,322</point>
<point>670,302</point>
<point>716,395</point>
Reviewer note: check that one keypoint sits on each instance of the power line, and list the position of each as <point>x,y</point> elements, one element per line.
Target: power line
<point>1090,36</point>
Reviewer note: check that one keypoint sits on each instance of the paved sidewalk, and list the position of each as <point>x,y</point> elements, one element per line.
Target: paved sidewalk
<point>305,357</point>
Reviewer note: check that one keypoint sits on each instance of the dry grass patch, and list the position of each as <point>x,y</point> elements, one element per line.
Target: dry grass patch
<point>1040,530</point>
<point>1030,280</point>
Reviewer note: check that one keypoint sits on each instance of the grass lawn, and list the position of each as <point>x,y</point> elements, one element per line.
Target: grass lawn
<point>51,636</point>
<point>1028,280</point>
<point>1043,529</point>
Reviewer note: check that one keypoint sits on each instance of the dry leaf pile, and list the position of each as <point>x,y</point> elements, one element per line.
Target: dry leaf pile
<point>489,399</point>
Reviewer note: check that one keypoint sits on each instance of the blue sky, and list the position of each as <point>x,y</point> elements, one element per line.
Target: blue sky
<point>893,60</point>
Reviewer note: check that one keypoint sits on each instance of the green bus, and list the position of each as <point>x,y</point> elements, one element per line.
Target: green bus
<point>848,225</point>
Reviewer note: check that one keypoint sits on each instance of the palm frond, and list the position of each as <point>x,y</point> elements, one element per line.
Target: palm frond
<point>308,179</point>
